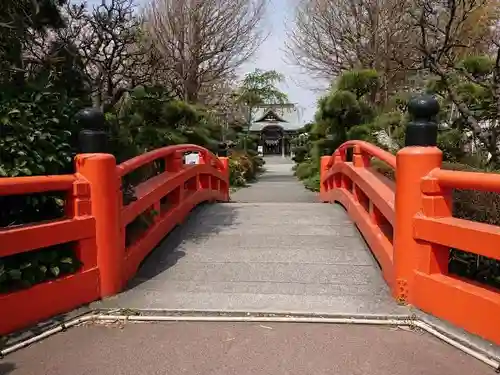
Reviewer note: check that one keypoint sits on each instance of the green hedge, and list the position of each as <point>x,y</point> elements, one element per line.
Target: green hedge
<point>27,269</point>
<point>244,167</point>
<point>308,172</point>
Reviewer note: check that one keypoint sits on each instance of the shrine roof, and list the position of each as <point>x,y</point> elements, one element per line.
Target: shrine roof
<point>287,116</point>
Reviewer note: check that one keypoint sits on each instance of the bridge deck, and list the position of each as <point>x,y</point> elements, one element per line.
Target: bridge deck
<point>275,249</point>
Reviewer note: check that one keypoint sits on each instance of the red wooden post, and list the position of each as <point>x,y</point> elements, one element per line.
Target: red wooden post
<point>100,171</point>
<point>173,162</point>
<point>413,163</point>
<point>323,185</point>
<point>226,172</point>
<point>360,159</point>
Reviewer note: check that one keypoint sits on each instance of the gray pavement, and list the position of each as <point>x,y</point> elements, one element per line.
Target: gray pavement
<point>273,253</point>
<point>277,184</point>
<point>240,349</point>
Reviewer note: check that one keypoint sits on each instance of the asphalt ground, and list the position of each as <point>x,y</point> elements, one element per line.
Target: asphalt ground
<point>240,348</point>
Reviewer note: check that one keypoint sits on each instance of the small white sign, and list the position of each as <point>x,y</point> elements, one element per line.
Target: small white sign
<point>260,150</point>
<point>192,159</point>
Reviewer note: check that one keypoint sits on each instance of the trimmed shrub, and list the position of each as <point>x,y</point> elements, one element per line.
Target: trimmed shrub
<point>306,169</point>
<point>313,182</point>
<point>244,167</point>
<point>300,154</point>
<point>308,172</point>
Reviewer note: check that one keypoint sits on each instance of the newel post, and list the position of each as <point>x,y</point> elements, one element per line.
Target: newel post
<point>419,156</point>
<point>323,171</point>
<point>226,172</point>
<point>99,169</point>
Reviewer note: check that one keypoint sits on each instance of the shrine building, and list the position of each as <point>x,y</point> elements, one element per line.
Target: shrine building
<point>276,125</point>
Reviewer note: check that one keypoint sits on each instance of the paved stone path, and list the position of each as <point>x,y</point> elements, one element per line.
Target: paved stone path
<point>240,349</point>
<point>275,249</point>
<point>276,185</point>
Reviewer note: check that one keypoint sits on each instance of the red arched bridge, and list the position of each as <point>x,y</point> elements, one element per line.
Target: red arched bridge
<point>272,250</point>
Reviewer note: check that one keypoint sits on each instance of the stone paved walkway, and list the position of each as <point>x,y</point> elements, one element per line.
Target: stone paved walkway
<point>277,185</point>
<point>275,249</point>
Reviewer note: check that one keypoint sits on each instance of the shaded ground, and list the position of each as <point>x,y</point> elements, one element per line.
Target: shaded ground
<point>240,348</point>
<point>274,253</point>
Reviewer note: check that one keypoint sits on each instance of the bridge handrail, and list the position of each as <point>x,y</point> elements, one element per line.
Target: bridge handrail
<point>465,180</point>
<point>170,183</point>
<point>365,148</point>
<point>413,246</point>
<point>95,222</point>
<point>436,224</point>
<point>139,161</point>
<point>36,184</point>
<point>76,226</point>
<point>367,195</point>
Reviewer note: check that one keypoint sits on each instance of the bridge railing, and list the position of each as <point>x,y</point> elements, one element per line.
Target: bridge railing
<point>409,225</point>
<point>367,196</point>
<point>95,223</point>
<point>77,228</point>
<point>171,194</point>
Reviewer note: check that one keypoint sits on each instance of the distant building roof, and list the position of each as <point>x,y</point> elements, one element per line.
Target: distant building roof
<point>287,116</point>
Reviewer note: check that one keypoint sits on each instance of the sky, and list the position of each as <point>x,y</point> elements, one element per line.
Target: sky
<point>272,56</point>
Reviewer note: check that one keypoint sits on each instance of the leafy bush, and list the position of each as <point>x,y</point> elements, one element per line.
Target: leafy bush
<point>300,154</point>
<point>306,169</point>
<point>345,112</point>
<point>313,182</point>
<point>308,172</point>
<point>37,133</point>
<point>257,165</point>
<point>27,269</point>
<point>244,167</point>
<point>37,137</point>
<point>236,172</point>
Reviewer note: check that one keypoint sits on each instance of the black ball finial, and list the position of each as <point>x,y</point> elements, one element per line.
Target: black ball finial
<point>222,149</point>
<point>422,129</point>
<point>91,119</point>
<point>93,137</point>
<point>423,107</point>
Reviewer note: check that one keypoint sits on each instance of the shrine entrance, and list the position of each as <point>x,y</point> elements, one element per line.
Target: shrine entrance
<point>275,131</point>
<point>272,139</point>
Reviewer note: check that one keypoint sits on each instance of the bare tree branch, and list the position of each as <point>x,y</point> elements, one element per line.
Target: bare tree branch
<point>203,41</point>
<point>449,31</point>
<point>109,39</point>
<point>330,36</point>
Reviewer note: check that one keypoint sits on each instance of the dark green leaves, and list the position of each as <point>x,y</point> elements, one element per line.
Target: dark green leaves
<point>27,269</point>
<point>260,87</point>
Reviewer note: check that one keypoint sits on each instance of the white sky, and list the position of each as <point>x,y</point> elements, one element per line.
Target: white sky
<point>272,56</point>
